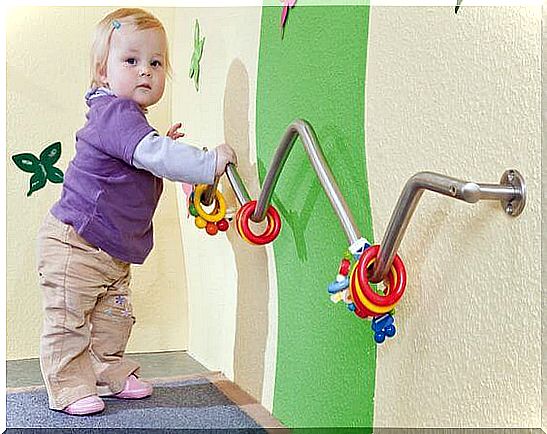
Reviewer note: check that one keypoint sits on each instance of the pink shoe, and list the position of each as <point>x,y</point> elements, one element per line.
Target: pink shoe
<point>134,389</point>
<point>88,405</point>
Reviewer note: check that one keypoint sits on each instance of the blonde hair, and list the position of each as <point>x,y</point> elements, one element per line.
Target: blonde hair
<point>139,18</point>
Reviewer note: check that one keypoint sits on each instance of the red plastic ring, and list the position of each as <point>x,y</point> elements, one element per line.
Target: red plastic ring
<point>241,231</point>
<point>271,232</point>
<point>395,292</point>
<point>360,308</point>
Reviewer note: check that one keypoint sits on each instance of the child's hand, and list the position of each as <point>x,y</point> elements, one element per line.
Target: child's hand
<point>173,132</point>
<point>225,155</point>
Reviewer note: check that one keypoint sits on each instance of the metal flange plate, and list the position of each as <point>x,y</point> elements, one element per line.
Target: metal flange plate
<point>515,205</point>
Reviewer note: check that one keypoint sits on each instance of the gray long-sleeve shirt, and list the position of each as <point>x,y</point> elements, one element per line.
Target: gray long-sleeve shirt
<point>167,158</point>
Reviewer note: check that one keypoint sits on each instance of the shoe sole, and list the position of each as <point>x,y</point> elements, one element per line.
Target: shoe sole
<point>135,394</point>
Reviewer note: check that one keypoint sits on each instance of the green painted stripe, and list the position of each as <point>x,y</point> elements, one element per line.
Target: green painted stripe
<point>326,357</point>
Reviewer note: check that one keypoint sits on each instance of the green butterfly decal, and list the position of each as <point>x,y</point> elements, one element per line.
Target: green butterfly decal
<point>196,56</point>
<point>42,168</point>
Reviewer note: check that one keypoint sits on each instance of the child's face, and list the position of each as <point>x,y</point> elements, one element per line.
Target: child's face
<point>136,65</point>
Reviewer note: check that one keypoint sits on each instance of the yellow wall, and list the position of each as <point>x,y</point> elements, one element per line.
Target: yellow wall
<point>230,293</point>
<point>460,95</point>
<point>47,54</point>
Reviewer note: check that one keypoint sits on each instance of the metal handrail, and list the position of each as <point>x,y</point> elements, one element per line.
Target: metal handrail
<point>303,129</point>
<point>511,192</point>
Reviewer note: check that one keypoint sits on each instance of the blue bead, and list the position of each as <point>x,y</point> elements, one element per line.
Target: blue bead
<point>390,330</point>
<point>383,326</point>
<point>379,337</point>
<point>335,286</point>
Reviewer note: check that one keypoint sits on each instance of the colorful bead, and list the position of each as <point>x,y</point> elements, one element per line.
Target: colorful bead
<point>383,326</point>
<point>211,228</point>
<point>223,225</point>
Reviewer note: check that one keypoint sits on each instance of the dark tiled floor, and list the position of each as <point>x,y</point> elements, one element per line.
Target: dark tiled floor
<point>24,373</point>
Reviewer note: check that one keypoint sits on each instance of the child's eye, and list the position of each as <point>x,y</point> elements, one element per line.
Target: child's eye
<point>131,61</point>
<point>155,63</point>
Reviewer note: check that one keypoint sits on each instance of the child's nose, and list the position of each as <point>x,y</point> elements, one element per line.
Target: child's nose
<point>145,72</point>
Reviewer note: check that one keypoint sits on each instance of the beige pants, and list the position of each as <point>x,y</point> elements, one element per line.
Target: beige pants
<point>87,316</point>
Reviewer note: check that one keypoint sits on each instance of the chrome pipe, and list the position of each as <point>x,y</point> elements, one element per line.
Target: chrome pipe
<point>510,192</point>
<point>240,191</point>
<point>303,129</point>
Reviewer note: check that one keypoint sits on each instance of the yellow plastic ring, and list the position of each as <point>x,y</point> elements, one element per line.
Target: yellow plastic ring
<point>200,222</point>
<point>220,205</point>
<point>366,302</point>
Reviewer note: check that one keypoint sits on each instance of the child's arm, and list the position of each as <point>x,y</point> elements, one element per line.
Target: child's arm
<point>225,153</point>
<point>178,161</point>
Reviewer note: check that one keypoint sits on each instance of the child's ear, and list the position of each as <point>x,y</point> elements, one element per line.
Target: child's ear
<point>101,73</point>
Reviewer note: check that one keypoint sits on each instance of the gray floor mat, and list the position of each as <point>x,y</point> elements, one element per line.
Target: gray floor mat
<point>188,404</point>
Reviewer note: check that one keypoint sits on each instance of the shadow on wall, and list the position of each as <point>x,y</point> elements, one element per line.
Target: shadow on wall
<point>251,261</point>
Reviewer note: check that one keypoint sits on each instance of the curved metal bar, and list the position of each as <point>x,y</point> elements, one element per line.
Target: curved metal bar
<point>239,188</point>
<point>303,129</point>
<point>510,192</point>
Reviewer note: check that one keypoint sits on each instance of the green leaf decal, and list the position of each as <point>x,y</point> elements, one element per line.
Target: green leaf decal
<point>196,56</point>
<point>43,169</point>
<point>37,181</point>
<point>51,154</point>
<point>54,175</point>
<point>26,162</point>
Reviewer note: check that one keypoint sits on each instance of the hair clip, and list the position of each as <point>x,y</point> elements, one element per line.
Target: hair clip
<point>116,24</point>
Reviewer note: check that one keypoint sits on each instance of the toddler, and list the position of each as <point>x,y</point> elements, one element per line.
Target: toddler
<point>103,221</point>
